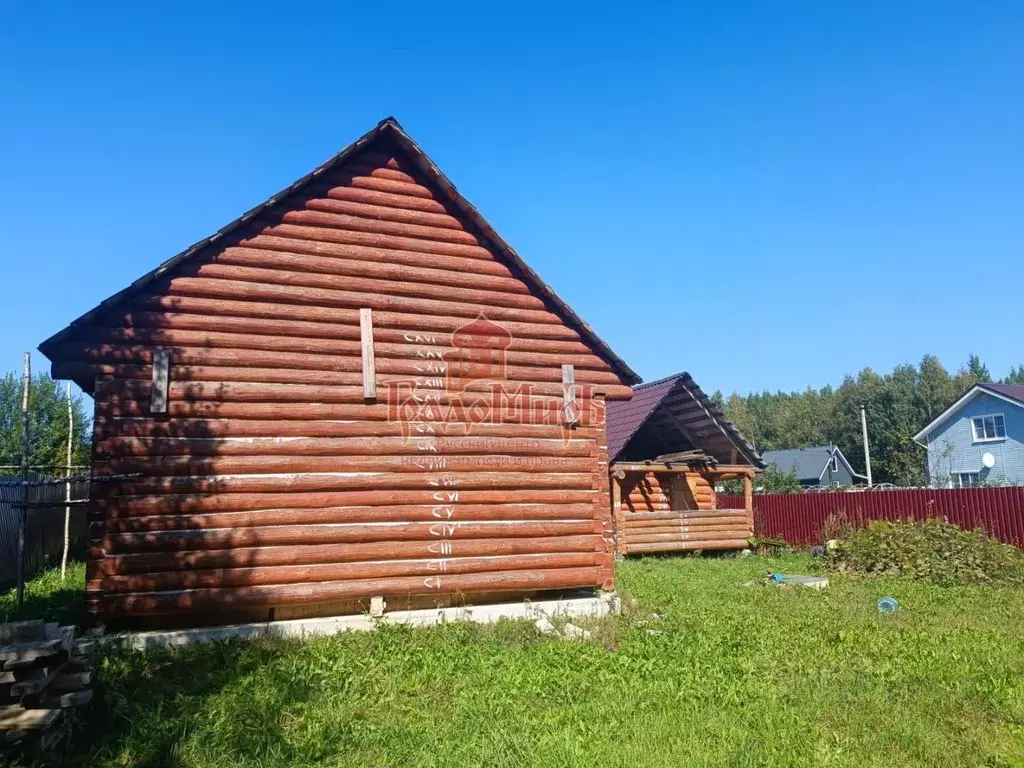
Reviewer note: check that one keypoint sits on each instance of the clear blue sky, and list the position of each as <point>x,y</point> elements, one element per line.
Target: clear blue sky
<point>769,195</point>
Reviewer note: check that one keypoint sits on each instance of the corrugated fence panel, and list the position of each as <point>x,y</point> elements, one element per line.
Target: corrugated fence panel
<point>44,532</point>
<point>800,518</point>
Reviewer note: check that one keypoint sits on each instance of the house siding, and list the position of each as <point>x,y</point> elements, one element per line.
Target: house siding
<point>951,446</point>
<point>840,477</point>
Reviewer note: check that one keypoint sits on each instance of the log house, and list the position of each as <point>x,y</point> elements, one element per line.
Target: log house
<point>355,390</point>
<point>667,447</point>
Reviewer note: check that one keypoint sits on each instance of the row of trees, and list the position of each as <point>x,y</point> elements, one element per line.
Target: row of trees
<point>48,430</point>
<point>898,405</point>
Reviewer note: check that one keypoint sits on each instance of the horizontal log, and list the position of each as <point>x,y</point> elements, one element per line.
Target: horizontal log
<point>288,594</point>
<point>251,374</point>
<point>439,447</point>
<point>333,554</point>
<point>167,466</point>
<point>297,574</point>
<point>730,514</point>
<point>694,523</point>
<point>122,505</point>
<point>683,537</point>
<point>312,216</point>
<point>371,239</point>
<point>340,328</point>
<point>275,273</point>
<point>134,390</point>
<point>387,271</point>
<point>418,259</point>
<point>293,535</point>
<point>383,185</point>
<point>376,197</point>
<point>364,514</point>
<point>408,413</point>
<point>426,325</point>
<point>339,481</point>
<point>644,529</point>
<point>384,212</point>
<point>413,352</point>
<point>234,289</point>
<point>686,546</point>
<point>146,427</point>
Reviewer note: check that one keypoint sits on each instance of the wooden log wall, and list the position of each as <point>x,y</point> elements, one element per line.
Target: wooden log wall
<point>655,514</point>
<point>273,481</point>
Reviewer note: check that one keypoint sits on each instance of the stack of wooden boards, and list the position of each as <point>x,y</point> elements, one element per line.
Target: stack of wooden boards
<point>43,671</point>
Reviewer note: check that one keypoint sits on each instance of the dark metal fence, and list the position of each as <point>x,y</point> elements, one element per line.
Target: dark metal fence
<point>800,518</point>
<point>44,531</point>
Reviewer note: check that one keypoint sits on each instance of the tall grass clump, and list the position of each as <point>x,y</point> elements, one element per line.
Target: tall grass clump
<point>933,550</point>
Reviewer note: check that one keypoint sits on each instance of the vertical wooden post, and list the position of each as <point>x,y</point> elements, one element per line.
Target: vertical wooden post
<point>369,372</point>
<point>569,395</point>
<point>748,500</point>
<point>67,490</point>
<point>620,530</point>
<point>26,385</point>
<point>161,380</point>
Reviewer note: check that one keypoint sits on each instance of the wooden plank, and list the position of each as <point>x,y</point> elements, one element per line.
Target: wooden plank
<point>22,631</point>
<point>161,377</point>
<point>366,336</point>
<point>17,718</point>
<point>38,681</point>
<point>22,652</point>
<point>569,405</point>
<point>58,701</point>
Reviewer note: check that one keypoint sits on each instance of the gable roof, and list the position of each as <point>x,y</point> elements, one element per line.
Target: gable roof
<point>1011,393</point>
<point>625,418</point>
<point>386,128</point>
<point>808,463</point>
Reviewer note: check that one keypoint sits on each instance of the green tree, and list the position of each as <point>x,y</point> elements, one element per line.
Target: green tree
<point>48,424</point>
<point>1015,376</point>
<point>977,370</point>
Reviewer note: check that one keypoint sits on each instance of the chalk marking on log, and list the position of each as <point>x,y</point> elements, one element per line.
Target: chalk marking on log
<point>432,582</point>
<point>437,565</point>
<point>430,353</point>
<point>443,529</point>
<point>420,338</point>
<point>442,548</point>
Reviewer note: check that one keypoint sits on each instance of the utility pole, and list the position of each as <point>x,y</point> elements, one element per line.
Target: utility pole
<point>26,384</point>
<point>867,450</point>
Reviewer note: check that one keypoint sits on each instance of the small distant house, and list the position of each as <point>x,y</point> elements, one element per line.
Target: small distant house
<point>819,466</point>
<point>667,447</point>
<point>978,439</point>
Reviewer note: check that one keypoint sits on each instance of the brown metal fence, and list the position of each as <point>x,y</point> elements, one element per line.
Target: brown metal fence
<point>800,518</point>
<point>44,531</point>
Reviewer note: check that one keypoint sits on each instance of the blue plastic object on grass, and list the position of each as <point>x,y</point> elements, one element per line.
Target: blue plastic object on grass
<point>777,578</point>
<point>887,605</point>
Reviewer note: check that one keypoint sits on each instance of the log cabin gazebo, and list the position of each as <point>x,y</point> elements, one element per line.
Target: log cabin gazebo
<point>667,448</point>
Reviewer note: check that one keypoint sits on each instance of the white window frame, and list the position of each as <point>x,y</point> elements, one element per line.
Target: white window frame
<point>982,438</point>
<point>958,479</point>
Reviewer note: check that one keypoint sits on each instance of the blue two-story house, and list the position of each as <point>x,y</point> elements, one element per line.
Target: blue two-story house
<point>978,439</point>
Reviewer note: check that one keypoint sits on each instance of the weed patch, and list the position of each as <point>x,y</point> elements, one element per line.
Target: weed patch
<point>933,551</point>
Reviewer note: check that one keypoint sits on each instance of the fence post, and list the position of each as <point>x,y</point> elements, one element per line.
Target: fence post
<point>67,491</point>
<point>26,384</point>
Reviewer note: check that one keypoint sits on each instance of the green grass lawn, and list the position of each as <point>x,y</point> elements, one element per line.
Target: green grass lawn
<point>729,675</point>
